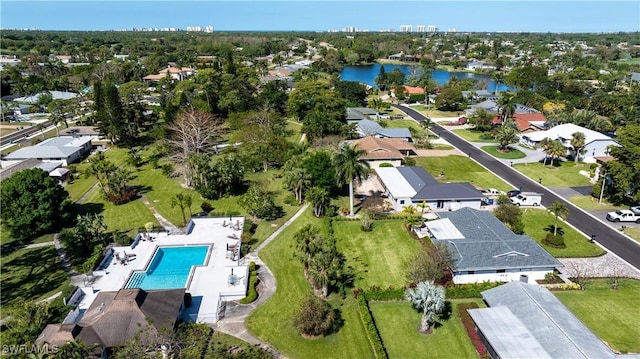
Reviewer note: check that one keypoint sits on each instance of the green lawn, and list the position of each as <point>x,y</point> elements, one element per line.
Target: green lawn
<point>271,322</point>
<point>126,217</point>
<point>590,203</point>
<point>461,169</point>
<point>475,136</point>
<point>82,183</point>
<point>31,274</point>
<point>512,154</point>
<point>612,315</point>
<point>633,233</point>
<point>565,175</point>
<point>7,240</point>
<point>536,220</point>
<point>378,256</point>
<point>294,128</point>
<point>398,324</point>
<point>433,113</point>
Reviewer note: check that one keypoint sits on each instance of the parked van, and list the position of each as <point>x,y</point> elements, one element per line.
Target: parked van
<point>527,199</point>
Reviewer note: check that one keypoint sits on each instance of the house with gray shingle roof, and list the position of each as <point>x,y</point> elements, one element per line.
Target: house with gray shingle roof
<point>371,128</point>
<point>405,186</point>
<point>528,321</point>
<point>484,249</point>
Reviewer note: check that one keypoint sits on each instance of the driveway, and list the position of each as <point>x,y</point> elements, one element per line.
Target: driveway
<point>609,237</point>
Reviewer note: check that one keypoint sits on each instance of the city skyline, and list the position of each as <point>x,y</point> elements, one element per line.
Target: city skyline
<point>465,16</point>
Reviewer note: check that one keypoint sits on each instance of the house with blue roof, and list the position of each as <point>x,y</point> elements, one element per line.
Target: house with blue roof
<point>366,128</point>
<point>484,249</point>
<point>406,186</point>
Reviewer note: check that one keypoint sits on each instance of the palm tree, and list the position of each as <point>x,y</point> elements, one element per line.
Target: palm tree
<point>181,200</point>
<point>578,143</point>
<point>409,209</point>
<point>498,78</point>
<point>423,206</point>
<point>319,199</point>
<point>428,298</point>
<point>507,135</point>
<point>309,242</point>
<point>559,210</point>
<point>321,269</point>
<point>556,150</point>
<point>350,168</point>
<point>507,107</point>
<point>298,180</point>
<point>545,144</point>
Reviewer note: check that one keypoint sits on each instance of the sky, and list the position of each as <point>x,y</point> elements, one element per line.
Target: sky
<point>302,15</point>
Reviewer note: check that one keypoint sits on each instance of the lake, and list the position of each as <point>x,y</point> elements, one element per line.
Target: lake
<point>368,74</point>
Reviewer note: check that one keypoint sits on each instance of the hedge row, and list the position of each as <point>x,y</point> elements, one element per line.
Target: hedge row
<point>471,328</point>
<point>370,326</point>
<point>376,293</point>
<point>253,282</point>
<point>472,290</point>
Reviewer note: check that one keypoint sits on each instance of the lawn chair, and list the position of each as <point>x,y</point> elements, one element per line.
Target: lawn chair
<point>129,256</point>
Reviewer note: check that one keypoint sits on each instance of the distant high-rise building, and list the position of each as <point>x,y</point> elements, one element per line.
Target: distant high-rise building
<point>406,28</point>
<point>421,28</point>
<point>432,28</point>
<point>453,29</point>
<point>209,28</point>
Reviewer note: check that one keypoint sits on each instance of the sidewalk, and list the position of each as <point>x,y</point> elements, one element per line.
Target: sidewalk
<point>235,314</point>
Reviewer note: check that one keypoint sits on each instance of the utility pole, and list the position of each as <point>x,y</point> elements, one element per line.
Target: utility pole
<point>604,178</point>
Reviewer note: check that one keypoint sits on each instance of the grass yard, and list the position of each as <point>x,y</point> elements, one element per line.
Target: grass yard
<point>7,240</point>
<point>398,324</point>
<point>378,256</point>
<point>564,175</point>
<point>82,184</point>
<point>612,315</point>
<point>32,274</point>
<point>271,322</point>
<point>433,113</point>
<point>294,128</point>
<point>128,217</point>
<point>512,154</point>
<point>536,220</point>
<point>475,136</point>
<point>633,233</point>
<point>461,169</point>
<point>591,203</point>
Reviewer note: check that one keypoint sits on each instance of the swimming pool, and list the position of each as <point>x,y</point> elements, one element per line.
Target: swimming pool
<point>169,268</point>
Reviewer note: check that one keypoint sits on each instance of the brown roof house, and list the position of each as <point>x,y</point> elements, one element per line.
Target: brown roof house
<point>385,150</point>
<point>115,317</point>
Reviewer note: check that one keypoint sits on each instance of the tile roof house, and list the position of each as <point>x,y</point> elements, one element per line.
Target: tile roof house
<point>371,128</point>
<point>64,150</point>
<point>175,73</point>
<point>405,186</point>
<point>528,321</point>
<point>484,249</point>
<point>526,122</point>
<point>596,143</point>
<point>114,317</point>
<point>385,150</point>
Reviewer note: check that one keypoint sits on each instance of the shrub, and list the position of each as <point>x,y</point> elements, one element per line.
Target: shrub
<point>206,207</point>
<point>370,326</point>
<point>554,241</point>
<point>167,169</point>
<point>291,201</point>
<point>385,164</point>
<point>466,320</point>
<point>567,286</point>
<point>253,283</point>
<point>375,293</point>
<point>316,317</point>
<point>472,290</point>
<point>409,161</point>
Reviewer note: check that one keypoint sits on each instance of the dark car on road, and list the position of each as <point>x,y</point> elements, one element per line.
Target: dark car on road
<point>513,192</point>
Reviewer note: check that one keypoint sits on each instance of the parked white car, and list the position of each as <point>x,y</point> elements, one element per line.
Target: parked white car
<point>492,192</point>
<point>625,215</point>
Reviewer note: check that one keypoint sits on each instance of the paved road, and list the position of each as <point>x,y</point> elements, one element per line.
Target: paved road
<point>20,135</point>
<point>611,239</point>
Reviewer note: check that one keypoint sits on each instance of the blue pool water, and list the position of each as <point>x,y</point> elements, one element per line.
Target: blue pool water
<point>169,268</point>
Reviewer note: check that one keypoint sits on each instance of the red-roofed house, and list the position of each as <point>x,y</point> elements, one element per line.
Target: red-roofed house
<point>526,122</point>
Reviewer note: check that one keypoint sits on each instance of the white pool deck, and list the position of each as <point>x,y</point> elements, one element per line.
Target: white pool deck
<point>208,284</point>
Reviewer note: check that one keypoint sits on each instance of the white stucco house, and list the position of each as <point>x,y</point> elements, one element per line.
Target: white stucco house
<point>596,143</point>
<point>63,150</point>
<point>405,186</point>
<point>484,249</point>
